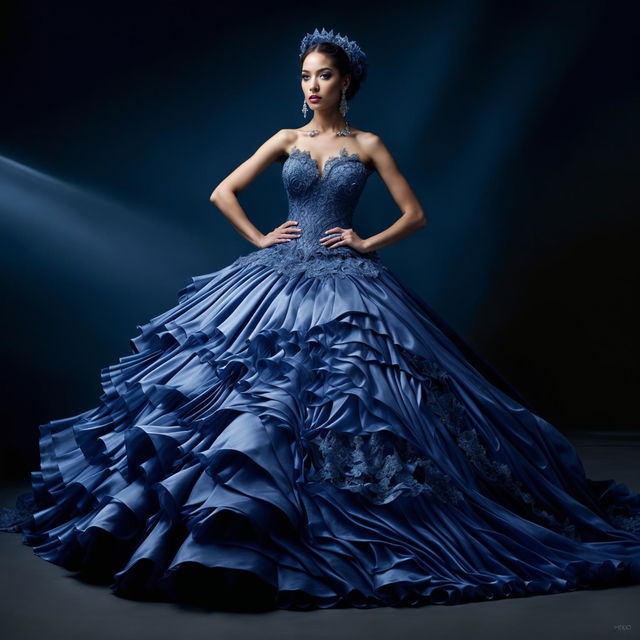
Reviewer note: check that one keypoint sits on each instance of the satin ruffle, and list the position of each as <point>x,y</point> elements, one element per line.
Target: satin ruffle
<point>224,461</point>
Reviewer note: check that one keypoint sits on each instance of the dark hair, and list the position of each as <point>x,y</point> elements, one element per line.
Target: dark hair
<point>340,61</point>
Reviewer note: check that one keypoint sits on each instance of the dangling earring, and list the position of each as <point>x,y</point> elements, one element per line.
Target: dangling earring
<point>304,109</point>
<point>344,107</point>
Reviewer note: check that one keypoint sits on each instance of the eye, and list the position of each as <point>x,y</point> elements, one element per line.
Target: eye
<point>326,75</point>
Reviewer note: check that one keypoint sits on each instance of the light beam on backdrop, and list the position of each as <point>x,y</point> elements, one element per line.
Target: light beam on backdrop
<point>50,224</point>
<point>79,272</point>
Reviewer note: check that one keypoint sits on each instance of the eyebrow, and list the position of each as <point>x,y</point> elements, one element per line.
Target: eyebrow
<point>323,69</point>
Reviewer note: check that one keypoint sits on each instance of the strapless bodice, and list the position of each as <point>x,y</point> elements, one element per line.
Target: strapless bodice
<point>319,200</point>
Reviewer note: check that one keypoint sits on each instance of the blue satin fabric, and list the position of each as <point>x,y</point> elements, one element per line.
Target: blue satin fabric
<point>302,430</point>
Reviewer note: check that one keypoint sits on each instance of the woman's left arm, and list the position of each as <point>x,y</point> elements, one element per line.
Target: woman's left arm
<point>412,218</point>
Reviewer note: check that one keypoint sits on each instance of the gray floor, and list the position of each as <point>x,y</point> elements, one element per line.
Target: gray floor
<point>41,600</point>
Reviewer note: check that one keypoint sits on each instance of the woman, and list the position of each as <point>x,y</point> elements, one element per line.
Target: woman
<point>302,431</point>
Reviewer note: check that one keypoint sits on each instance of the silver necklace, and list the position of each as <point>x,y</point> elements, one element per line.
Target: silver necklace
<point>343,132</point>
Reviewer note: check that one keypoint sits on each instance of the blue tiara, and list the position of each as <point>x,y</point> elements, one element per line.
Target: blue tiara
<point>356,55</point>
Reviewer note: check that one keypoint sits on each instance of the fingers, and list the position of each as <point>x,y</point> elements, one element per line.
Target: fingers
<point>333,241</point>
<point>286,237</point>
<point>335,237</point>
<point>287,226</point>
<point>339,237</point>
<point>285,232</point>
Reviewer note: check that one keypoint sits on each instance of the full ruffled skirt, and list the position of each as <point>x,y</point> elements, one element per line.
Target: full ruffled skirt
<point>312,442</point>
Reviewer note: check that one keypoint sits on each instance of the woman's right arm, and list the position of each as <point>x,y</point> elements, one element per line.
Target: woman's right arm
<point>224,196</point>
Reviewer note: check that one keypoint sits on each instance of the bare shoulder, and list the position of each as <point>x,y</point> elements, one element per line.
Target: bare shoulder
<point>372,149</point>
<point>288,137</point>
<point>277,146</point>
<point>288,134</point>
<point>369,142</point>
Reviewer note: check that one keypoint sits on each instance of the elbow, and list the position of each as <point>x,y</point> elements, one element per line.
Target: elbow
<point>217,195</point>
<point>415,217</point>
<point>222,194</point>
<point>420,220</point>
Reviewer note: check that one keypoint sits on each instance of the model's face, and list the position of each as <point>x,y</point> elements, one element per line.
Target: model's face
<point>319,77</point>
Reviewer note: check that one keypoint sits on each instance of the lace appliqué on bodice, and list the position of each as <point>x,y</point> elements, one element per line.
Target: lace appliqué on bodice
<point>319,201</point>
<point>293,263</point>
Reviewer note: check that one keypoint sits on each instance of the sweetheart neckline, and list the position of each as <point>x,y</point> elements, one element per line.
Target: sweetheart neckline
<point>343,154</point>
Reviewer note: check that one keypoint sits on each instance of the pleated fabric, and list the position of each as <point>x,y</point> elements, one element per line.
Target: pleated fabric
<point>304,442</point>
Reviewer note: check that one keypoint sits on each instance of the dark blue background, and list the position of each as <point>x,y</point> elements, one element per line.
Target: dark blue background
<point>516,124</point>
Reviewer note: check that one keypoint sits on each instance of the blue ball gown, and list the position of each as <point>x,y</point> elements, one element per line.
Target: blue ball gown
<point>301,430</point>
